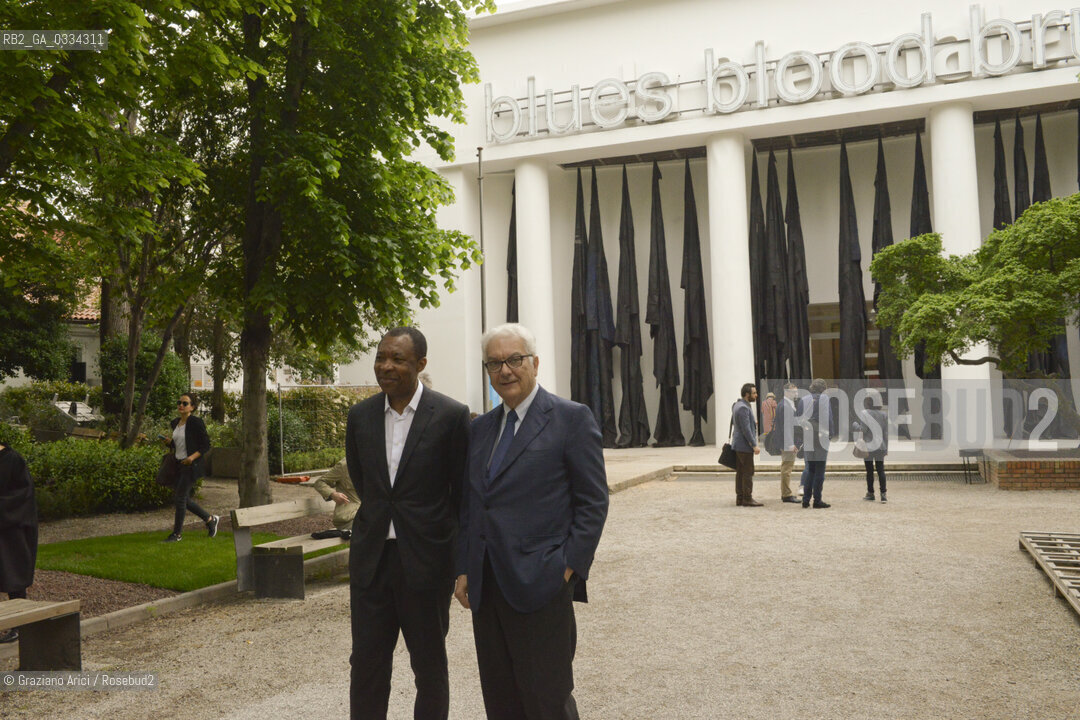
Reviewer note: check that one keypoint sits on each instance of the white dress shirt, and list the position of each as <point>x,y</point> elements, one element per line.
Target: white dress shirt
<point>397,430</point>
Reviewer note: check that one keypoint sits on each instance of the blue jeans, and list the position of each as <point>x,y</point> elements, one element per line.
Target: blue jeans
<point>813,477</point>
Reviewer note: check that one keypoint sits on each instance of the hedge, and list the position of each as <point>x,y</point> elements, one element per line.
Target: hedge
<point>314,460</point>
<point>32,403</point>
<point>85,477</point>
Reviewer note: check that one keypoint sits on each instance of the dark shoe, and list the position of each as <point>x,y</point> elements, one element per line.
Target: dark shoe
<point>822,505</point>
<point>9,636</point>
<point>739,503</point>
<point>883,498</point>
<point>346,534</point>
<point>212,525</point>
<point>173,537</point>
<point>806,503</point>
<point>869,496</point>
<point>791,499</point>
<point>751,503</point>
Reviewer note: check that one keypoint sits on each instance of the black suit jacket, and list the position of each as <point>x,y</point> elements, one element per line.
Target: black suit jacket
<point>425,497</point>
<point>195,438</point>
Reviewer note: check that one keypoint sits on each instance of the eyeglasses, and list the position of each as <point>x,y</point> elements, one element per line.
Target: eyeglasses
<point>184,403</point>
<point>513,362</point>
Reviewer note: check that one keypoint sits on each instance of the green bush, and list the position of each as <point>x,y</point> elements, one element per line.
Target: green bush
<point>32,403</point>
<point>222,434</point>
<point>324,411</point>
<point>83,477</point>
<point>293,433</point>
<point>172,382</point>
<point>231,401</point>
<point>314,460</point>
<point>16,437</point>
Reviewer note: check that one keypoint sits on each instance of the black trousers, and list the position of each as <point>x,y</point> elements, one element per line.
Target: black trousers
<point>870,466</point>
<point>185,483</point>
<point>379,611</point>
<point>526,660</point>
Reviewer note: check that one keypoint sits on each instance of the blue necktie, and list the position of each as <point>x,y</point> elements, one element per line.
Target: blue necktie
<point>503,446</point>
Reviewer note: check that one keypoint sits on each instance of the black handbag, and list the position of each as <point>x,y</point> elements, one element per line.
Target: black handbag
<point>168,470</point>
<point>727,456</point>
<point>727,453</point>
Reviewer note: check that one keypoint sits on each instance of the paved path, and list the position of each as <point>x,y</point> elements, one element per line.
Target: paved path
<point>922,608</point>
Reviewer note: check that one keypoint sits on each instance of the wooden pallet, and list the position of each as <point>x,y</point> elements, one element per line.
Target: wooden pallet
<point>1058,554</point>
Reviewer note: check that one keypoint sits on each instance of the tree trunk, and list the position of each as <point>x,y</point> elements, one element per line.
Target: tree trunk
<point>140,412</point>
<point>217,405</point>
<point>254,484</point>
<point>109,327</point>
<point>134,343</point>
<point>182,344</point>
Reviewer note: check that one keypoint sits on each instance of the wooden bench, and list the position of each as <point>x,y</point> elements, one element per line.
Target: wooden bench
<point>49,633</point>
<point>276,569</point>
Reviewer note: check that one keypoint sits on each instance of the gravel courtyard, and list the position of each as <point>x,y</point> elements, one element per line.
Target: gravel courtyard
<point>921,608</point>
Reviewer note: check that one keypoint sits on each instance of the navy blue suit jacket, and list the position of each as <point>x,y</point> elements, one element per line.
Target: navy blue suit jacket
<point>544,510</point>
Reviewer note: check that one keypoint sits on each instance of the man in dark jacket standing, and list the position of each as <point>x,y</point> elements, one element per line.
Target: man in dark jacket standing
<point>406,449</point>
<point>744,442</point>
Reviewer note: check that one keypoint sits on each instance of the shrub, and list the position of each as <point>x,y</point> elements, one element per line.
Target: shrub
<point>32,403</point>
<point>171,383</point>
<point>324,411</point>
<point>293,432</point>
<point>222,434</point>
<point>16,437</point>
<point>314,460</point>
<point>82,477</point>
<point>231,401</point>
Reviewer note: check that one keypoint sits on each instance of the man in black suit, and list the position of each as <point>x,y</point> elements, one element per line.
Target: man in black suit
<point>406,449</point>
<point>533,509</point>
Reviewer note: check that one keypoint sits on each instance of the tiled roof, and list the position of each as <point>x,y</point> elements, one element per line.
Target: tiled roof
<point>89,308</point>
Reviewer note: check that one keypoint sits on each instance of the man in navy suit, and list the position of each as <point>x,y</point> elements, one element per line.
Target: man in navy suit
<point>406,449</point>
<point>533,507</point>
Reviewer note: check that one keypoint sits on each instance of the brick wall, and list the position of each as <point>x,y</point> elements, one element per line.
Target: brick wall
<point>1008,472</point>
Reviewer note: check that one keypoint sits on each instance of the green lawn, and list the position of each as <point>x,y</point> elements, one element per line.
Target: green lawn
<point>194,562</point>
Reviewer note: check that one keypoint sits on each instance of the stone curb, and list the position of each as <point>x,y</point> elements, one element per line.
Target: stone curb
<point>316,567</point>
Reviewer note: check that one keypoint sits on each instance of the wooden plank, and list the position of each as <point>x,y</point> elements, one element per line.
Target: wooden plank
<point>1061,586</point>
<point>14,613</point>
<point>308,543</point>
<point>262,514</point>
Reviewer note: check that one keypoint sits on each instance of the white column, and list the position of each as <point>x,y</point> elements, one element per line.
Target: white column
<point>536,300</point>
<point>466,218</point>
<point>729,230</point>
<point>951,129</point>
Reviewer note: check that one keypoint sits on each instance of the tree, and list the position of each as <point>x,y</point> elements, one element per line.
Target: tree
<point>339,225</point>
<point>34,337</point>
<point>1013,293</point>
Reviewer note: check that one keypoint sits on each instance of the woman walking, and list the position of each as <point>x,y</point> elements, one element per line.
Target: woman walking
<point>190,443</point>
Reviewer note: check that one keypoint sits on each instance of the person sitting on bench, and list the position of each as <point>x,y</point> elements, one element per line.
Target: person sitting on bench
<point>336,485</point>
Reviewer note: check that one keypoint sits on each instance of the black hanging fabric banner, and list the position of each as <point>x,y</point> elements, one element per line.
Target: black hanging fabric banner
<point>697,363</point>
<point>798,284</point>
<point>633,418</point>
<point>658,315</point>
<point>579,385</point>
<point>775,295</point>
<point>511,261</point>
<point>852,300</point>
<point>599,325</point>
